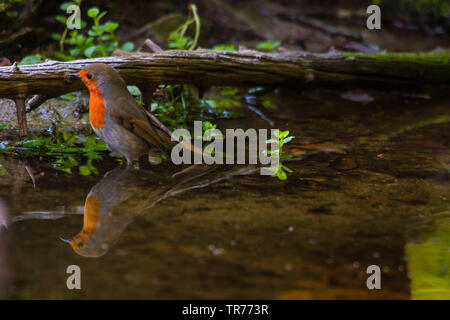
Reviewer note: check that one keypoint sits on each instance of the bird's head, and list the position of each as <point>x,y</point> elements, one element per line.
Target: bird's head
<point>101,77</point>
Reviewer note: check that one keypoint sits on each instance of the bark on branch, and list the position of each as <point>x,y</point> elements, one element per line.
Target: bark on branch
<point>205,68</point>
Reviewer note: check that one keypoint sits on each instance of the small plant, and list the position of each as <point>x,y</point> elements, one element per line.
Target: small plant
<point>268,45</point>
<point>280,170</point>
<point>100,39</point>
<point>178,38</point>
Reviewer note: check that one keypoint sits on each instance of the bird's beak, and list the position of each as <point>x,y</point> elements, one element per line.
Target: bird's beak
<point>64,240</point>
<point>74,75</point>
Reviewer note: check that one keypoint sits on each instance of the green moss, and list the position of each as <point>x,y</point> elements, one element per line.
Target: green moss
<point>438,58</point>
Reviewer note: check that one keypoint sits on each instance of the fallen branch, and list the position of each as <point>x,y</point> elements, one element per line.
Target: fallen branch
<point>208,67</point>
<point>205,68</point>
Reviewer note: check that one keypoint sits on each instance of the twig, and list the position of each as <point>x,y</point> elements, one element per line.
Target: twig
<point>35,102</point>
<point>30,173</point>
<point>152,46</point>
<point>193,8</point>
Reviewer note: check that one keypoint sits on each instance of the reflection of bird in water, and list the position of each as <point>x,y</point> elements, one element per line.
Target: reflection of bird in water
<point>124,193</point>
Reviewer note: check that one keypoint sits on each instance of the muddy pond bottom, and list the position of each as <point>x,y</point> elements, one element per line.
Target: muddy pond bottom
<point>230,233</point>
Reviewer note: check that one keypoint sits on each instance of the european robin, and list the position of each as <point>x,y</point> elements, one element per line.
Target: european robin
<point>118,119</point>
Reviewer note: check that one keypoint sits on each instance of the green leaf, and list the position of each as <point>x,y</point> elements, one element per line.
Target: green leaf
<point>228,47</point>
<point>94,32</point>
<point>90,51</point>
<point>268,45</point>
<point>206,125</point>
<point>33,59</point>
<point>128,46</point>
<point>106,37</point>
<point>56,36</point>
<point>288,139</point>
<point>66,170</point>
<point>269,104</point>
<point>84,171</point>
<point>174,36</point>
<point>75,52</point>
<point>61,19</point>
<point>112,46</point>
<point>101,15</point>
<point>134,91</point>
<point>88,42</point>
<point>93,12</point>
<point>67,4</point>
<point>61,56</point>
<point>111,26</point>
<point>284,134</point>
<point>281,175</point>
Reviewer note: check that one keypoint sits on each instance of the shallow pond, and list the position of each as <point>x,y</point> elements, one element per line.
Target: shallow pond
<point>230,233</point>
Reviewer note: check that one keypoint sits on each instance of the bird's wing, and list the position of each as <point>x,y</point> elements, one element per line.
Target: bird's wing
<point>144,125</point>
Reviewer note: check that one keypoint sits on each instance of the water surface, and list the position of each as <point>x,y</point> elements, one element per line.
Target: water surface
<point>229,233</point>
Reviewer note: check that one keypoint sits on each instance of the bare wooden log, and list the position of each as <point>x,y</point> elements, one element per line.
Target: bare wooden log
<point>205,68</point>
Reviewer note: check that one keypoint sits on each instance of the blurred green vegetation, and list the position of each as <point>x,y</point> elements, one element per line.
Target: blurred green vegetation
<point>432,12</point>
<point>268,45</point>
<point>429,262</point>
<point>13,10</point>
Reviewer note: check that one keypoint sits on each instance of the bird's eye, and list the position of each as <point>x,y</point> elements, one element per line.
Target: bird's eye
<point>89,76</point>
<point>80,245</point>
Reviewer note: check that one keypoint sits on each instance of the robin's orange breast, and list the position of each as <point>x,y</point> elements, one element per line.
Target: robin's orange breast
<point>97,110</point>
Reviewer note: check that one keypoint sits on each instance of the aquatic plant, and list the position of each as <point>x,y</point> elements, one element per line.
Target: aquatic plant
<point>282,139</point>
